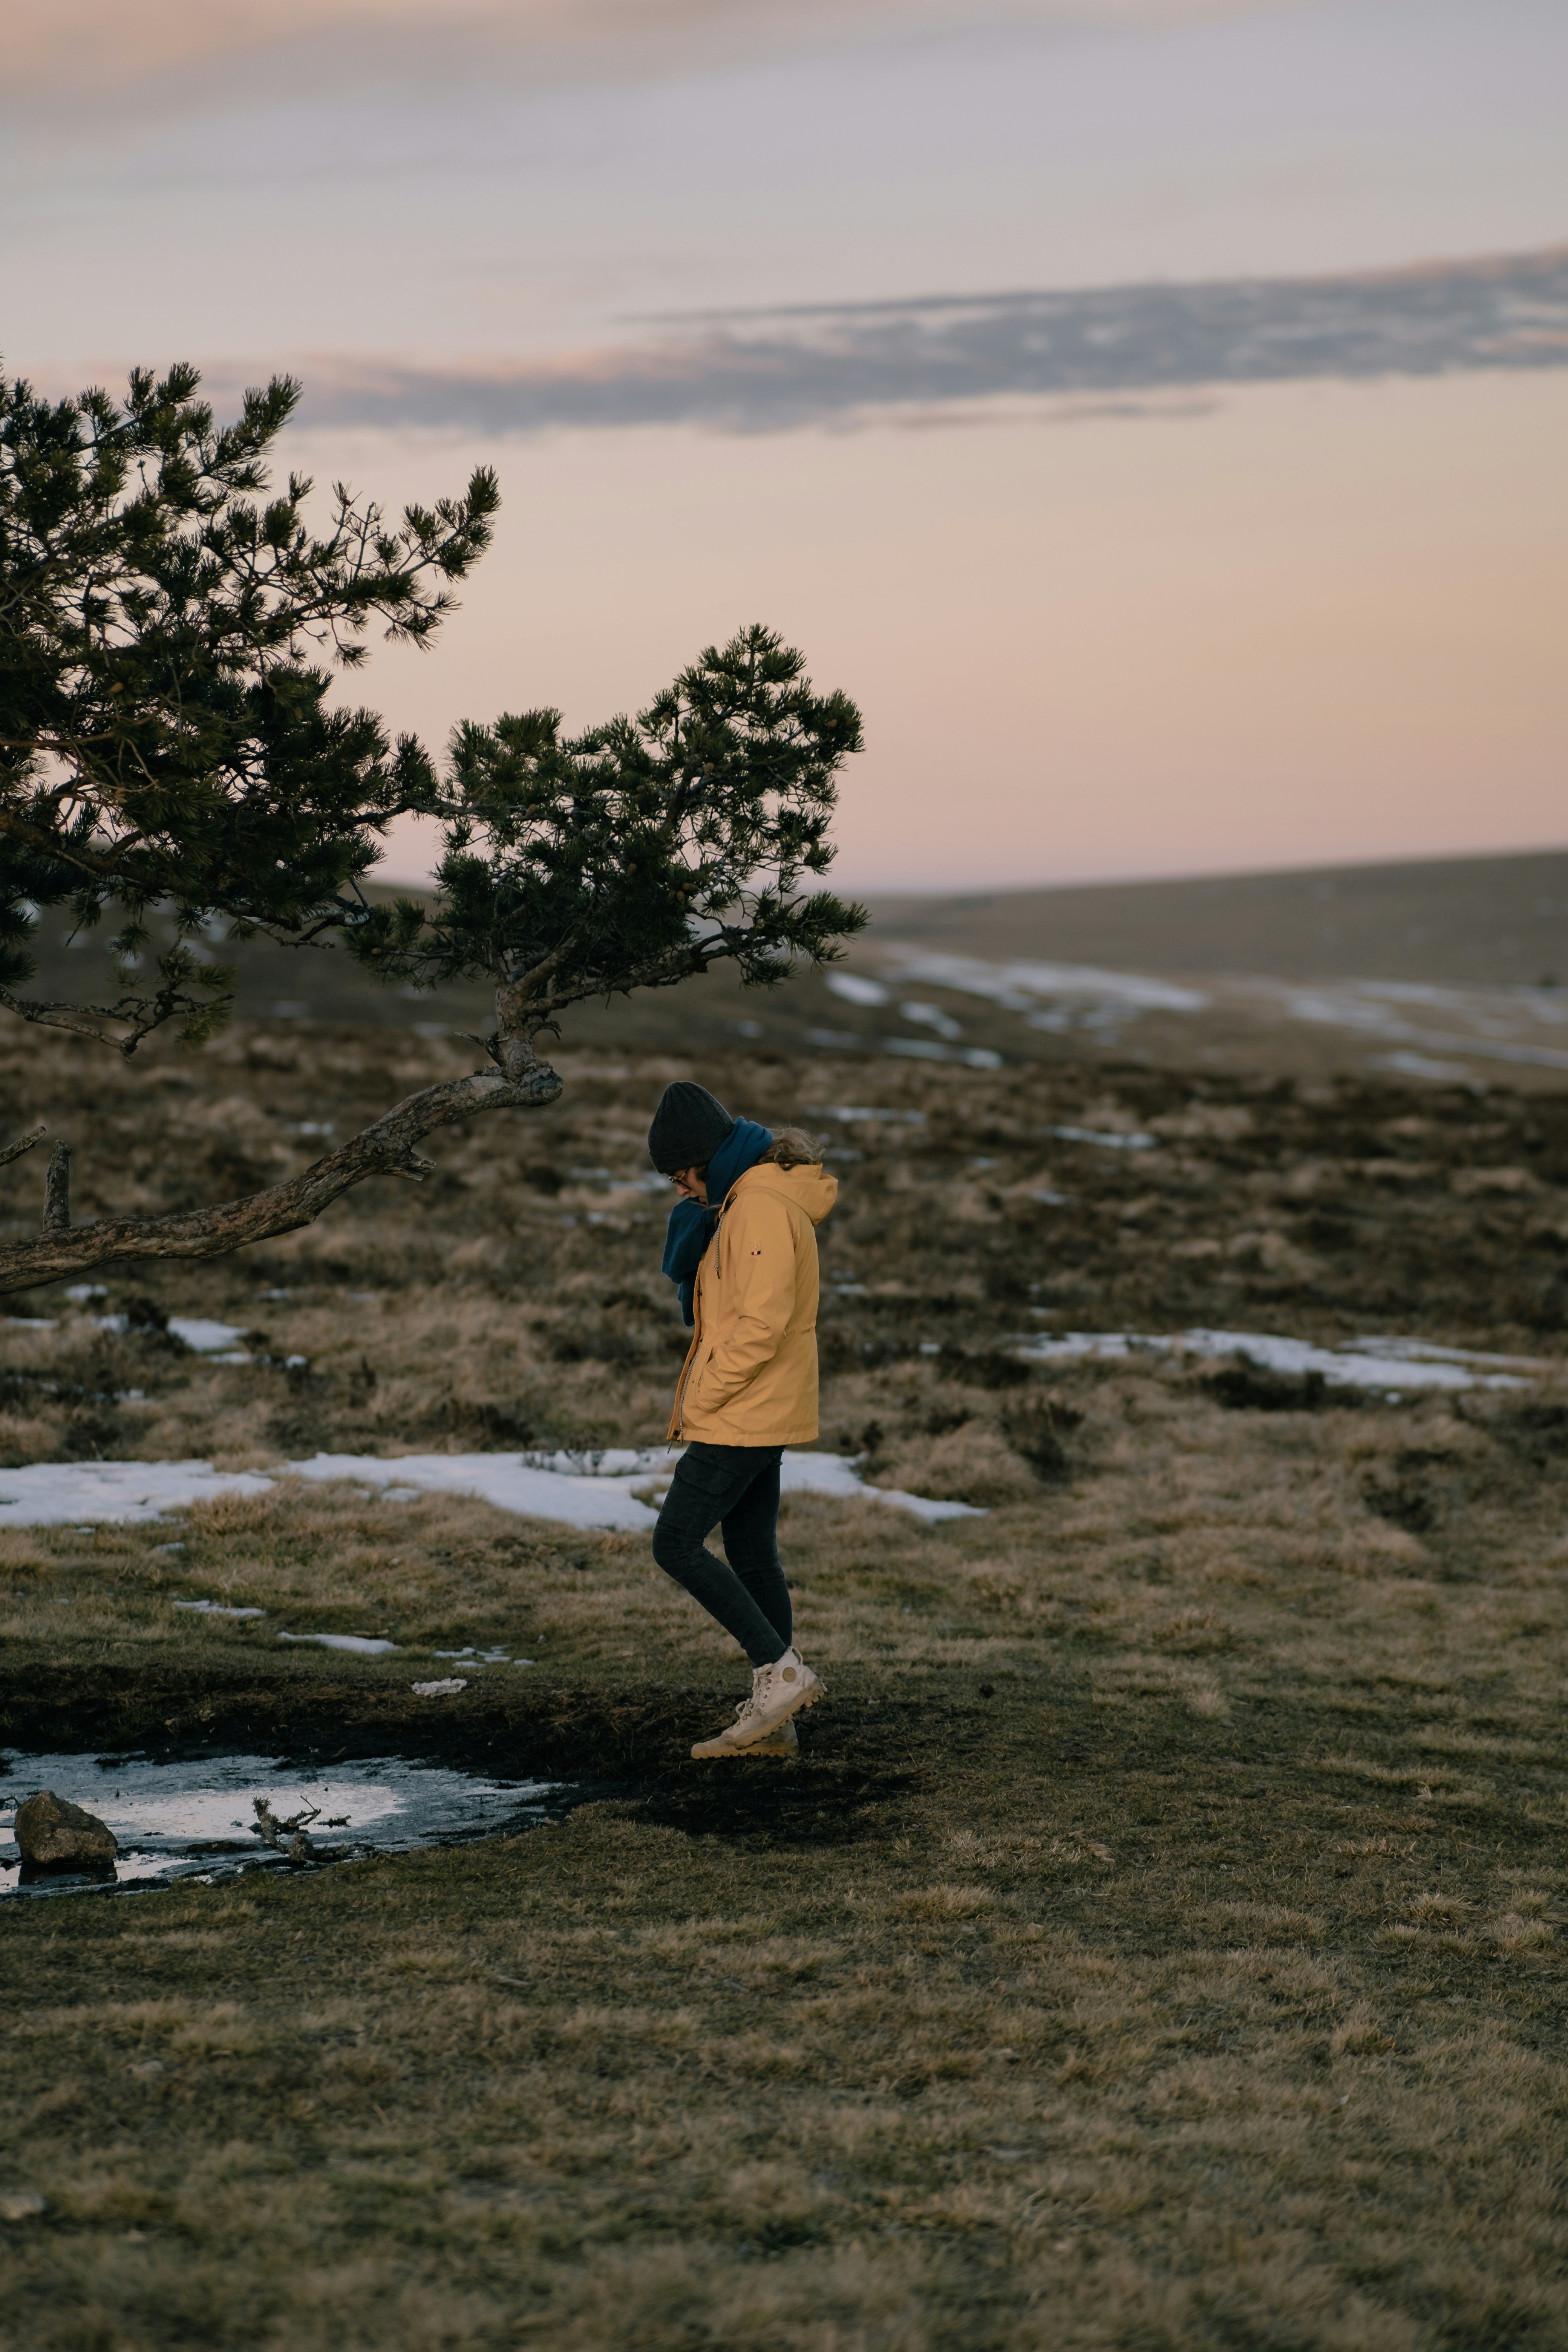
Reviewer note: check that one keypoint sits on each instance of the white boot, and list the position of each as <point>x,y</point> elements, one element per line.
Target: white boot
<point>784,1741</point>
<point>778,1692</point>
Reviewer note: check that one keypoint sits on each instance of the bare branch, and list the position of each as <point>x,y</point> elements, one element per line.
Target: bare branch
<point>384,1147</point>
<point>54,1016</point>
<point>138,1016</point>
<point>58,1191</point>
<point>24,1142</point>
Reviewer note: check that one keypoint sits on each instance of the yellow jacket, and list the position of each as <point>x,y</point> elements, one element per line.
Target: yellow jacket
<point>749,1374</point>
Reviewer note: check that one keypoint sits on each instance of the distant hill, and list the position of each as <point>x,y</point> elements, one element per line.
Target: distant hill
<point>1477,923</point>
<point>1222,961</point>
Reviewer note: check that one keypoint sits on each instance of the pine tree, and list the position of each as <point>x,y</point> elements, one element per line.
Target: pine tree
<point>169,747</point>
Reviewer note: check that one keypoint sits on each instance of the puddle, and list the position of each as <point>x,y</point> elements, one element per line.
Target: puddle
<point>196,1818</point>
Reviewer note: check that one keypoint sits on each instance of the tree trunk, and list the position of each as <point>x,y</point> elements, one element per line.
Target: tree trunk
<point>384,1147</point>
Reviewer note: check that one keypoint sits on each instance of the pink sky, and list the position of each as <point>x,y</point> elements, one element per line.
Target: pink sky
<point>1254,624</point>
<point>1302,624</point>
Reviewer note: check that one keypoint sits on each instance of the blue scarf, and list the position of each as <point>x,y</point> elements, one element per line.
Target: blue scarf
<point>691,1226</point>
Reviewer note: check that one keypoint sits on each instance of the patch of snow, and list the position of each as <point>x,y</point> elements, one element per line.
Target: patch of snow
<point>31,1322</point>
<point>586,1498</point>
<point>1418,1065</point>
<point>1134,1143</point>
<point>848,1112</point>
<point>1008,983</point>
<point>210,1608</point>
<point>1354,1365</point>
<point>855,990</point>
<point>831,1474</point>
<point>1416,1351</point>
<point>360,1644</point>
<point>438,1690</point>
<point>199,1332</point>
<point>483,1657</point>
<point>599,1487</point>
<point>1362,1007</point>
<point>205,1337</point>
<point>931,1016</point>
<point>923,1049</point>
<point>598,1461</point>
<point>59,1493</point>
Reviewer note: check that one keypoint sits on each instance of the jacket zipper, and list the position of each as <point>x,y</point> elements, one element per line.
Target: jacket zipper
<point>697,1332</point>
<point>686,1375</point>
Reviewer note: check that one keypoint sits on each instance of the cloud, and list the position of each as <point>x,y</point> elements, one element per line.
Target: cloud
<point>177,52</point>
<point>926,359</point>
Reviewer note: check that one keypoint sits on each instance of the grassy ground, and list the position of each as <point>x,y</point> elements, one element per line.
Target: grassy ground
<point>1159,1944</point>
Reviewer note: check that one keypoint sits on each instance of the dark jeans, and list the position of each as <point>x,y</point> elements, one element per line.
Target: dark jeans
<point>735,1488</point>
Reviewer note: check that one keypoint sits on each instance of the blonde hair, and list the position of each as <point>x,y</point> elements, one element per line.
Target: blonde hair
<point>793,1147</point>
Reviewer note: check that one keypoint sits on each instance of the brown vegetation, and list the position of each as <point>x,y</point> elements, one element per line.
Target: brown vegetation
<point>1158,1945</point>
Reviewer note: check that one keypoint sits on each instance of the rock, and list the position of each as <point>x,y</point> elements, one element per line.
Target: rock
<point>55,1835</point>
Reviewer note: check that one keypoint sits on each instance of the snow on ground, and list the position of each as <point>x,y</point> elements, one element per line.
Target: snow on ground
<point>201,1333</point>
<point>60,1493</point>
<point>362,1645</point>
<point>1133,1142</point>
<point>620,1486</point>
<point>210,1338</point>
<point>1393,1366</point>
<point>602,1489</point>
<point>596,1489</point>
<point>1423,1022</point>
<point>1016,986</point>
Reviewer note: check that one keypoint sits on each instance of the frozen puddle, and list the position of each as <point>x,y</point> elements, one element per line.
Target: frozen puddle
<point>1393,1366</point>
<point>196,1818</point>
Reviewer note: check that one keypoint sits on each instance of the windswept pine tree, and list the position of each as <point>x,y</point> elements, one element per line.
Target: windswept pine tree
<point>173,764</point>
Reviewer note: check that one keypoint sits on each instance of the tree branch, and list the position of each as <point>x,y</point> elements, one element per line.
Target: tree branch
<point>384,1147</point>
<point>24,1144</point>
<point>58,1191</point>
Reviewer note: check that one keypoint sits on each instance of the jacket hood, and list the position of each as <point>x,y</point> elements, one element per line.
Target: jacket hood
<point>810,1187</point>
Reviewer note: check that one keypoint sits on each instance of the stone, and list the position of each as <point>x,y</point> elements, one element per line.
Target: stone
<point>55,1835</point>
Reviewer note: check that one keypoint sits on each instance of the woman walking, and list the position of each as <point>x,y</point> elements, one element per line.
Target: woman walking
<point>742,1247</point>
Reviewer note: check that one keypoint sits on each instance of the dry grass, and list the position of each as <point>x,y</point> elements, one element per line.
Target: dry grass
<point>1159,1946</point>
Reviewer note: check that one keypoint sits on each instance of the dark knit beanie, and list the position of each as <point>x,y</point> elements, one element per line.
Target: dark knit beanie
<point>688,1128</point>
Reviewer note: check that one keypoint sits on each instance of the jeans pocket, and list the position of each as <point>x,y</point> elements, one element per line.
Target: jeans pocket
<point>708,1477</point>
